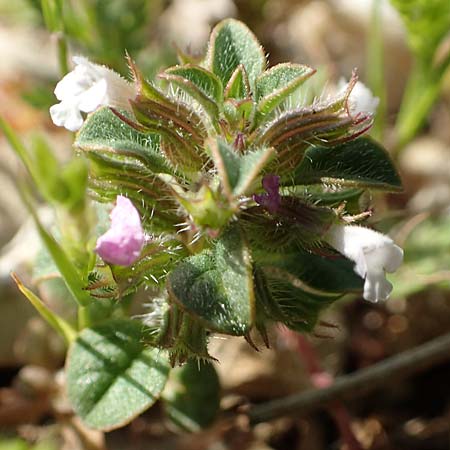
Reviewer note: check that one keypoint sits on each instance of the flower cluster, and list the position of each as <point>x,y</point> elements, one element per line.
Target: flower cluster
<point>232,180</point>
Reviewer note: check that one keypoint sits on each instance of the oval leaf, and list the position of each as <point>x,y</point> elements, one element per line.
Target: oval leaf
<point>359,163</point>
<point>112,376</point>
<point>217,285</point>
<point>104,131</point>
<point>203,79</point>
<point>332,274</point>
<point>238,172</point>
<point>231,44</point>
<point>275,84</point>
<point>192,395</point>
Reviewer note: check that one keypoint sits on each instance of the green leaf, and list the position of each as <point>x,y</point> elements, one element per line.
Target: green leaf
<point>52,12</point>
<point>192,394</point>
<point>427,23</point>
<point>295,130</point>
<point>66,268</point>
<point>74,176</point>
<point>295,286</point>
<point>56,322</point>
<point>112,376</point>
<point>231,44</point>
<point>200,83</point>
<point>238,172</point>
<point>335,198</point>
<point>104,132</point>
<point>181,129</point>
<point>217,285</point>
<point>275,84</point>
<point>359,163</point>
<point>288,302</point>
<point>238,85</point>
<point>238,112</point>
<point>331,274</point>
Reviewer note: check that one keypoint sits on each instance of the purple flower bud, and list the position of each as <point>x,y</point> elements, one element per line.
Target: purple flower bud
<point>271,201</point>
<point>123,242</point>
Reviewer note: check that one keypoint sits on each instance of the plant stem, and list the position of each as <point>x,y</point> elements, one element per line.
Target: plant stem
<point>62,53</point>
<point>321,378</point>
<point>359,383</point>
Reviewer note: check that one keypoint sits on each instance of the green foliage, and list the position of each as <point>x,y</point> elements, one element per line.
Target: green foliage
<point>293,287</point>
<point>112,376</point>
<point>361,163</point>
<point>216,285</point>
<point>238,172</point>
<point>232,44</point>
<point>427,22</point>
<point>20,444</point>
<point>192,394</point>
<point>201,84</point>
<point>104,133</point>
<point>277,83</point>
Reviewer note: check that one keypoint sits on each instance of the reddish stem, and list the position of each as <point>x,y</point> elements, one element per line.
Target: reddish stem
<point>320,378</point>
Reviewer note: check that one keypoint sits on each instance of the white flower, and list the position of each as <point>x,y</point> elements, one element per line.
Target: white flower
<point>374,254</point>
<point>86,88</point>
<point>361,99</point>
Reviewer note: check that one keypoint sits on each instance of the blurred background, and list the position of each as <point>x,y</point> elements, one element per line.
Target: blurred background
<point>402,54</point>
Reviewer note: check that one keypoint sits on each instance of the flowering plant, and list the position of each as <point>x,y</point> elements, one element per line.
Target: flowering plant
<point>236,206</point>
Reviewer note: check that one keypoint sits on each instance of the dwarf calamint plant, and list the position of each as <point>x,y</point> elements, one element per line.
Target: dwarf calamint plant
<point>236,204</point>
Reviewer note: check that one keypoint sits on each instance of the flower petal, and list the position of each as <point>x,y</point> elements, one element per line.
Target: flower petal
<point>66,114</point>
<point>94,97</point>
<point>374,254</point>
<point>376,287</point>
<point>122,243</point>
<point>362,100</point>
<point>394,260</point>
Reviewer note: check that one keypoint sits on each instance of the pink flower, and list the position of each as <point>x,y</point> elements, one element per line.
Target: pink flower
<point>122,243</point>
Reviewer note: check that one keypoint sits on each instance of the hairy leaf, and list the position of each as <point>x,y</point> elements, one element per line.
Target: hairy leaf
<point>275,84</point>
<point>111,376</point>
<point>359,163</point>
<point>104,132</point>
<point>238,172</point>
<point>231,44</point>
<point>199,83</point>
<point>217,286</point>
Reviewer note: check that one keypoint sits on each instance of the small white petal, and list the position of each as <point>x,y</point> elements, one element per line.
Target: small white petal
<point>69,86</point>
<point>67,115</point>
<point>394,260</point>
<point>94,97</point>
<point>376,287</point>
<point>361,99</point>
<point>374,254</point>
